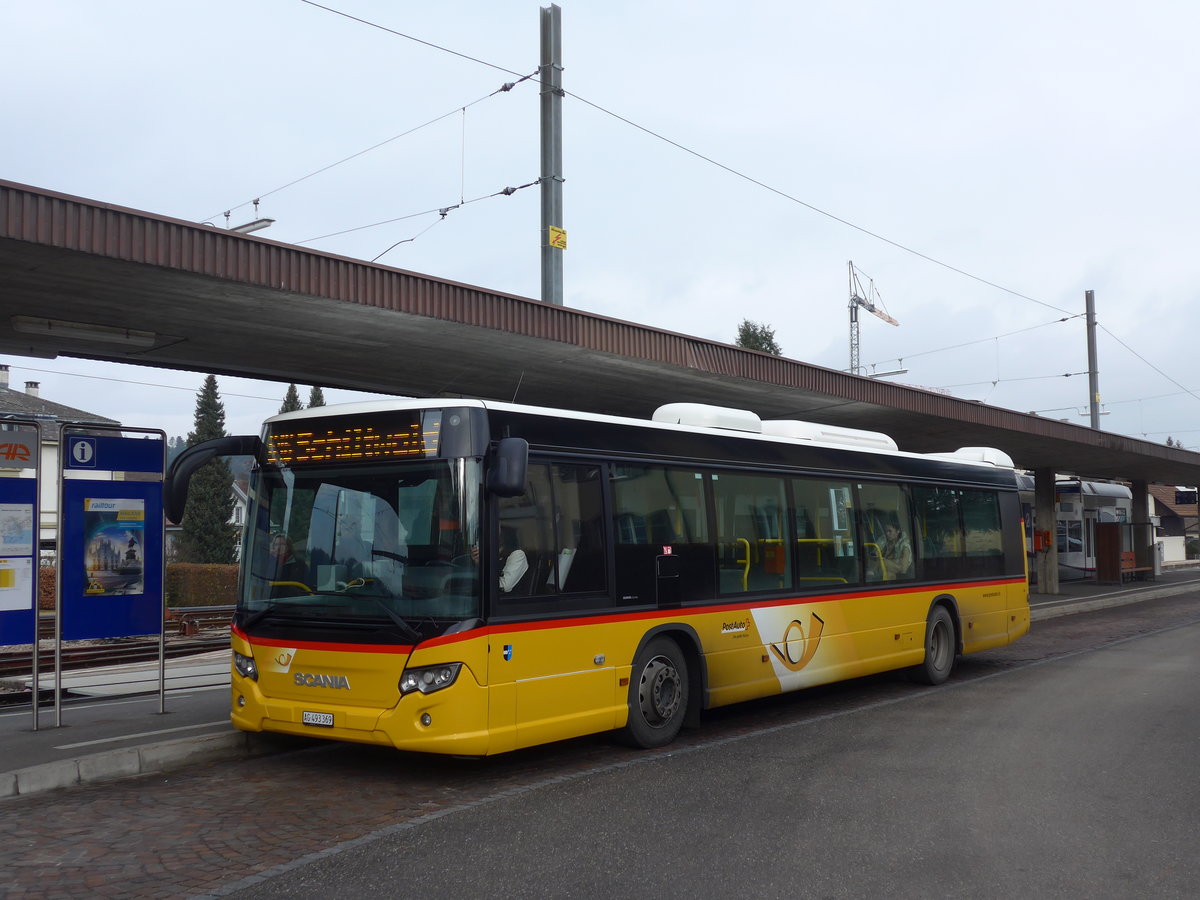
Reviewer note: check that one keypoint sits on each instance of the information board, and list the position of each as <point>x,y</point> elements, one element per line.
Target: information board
<point>18,560</point>
<point>110,538</point>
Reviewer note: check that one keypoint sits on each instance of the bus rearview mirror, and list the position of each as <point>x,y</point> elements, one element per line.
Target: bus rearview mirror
<point>506,476</point>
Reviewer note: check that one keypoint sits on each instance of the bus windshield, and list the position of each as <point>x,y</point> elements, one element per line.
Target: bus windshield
<point>383,551</point>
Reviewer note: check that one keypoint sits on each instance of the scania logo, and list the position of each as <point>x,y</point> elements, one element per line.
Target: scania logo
<point>308,679</point>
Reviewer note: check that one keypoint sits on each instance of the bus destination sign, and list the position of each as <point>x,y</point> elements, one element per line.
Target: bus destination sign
<point>356,443</point>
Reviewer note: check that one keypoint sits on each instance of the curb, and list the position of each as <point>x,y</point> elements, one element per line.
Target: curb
<point>1117,598</point>
<point>130,761</point>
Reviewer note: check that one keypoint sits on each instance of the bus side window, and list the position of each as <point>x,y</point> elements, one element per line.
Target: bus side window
<point>751,532</point>
<point>983,540</point>
<point>579,564</point>
<point>659,511</point>
<point>887,532</point>
<point>940,533</point>
<point>823,518</point>
<point>558,524</point>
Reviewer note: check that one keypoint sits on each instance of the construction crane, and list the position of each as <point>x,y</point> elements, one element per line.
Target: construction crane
<point>868,300</point>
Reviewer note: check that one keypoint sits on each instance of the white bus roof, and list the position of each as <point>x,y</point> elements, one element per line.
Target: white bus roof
<point>694,417</point>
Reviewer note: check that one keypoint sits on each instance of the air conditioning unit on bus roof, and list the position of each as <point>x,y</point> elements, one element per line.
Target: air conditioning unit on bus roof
<point>978,454</point>
<point>702,415</point>
<point>828,434</point>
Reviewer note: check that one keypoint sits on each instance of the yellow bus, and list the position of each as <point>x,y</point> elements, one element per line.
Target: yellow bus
<point>469,577</point>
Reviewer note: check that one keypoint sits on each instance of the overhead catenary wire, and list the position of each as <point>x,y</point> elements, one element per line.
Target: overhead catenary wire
<point>997,381</point>
<point>152,384</point>
<point>504,88</point>
<point>708,159</point>
<point>506,192</point>
<point>1185,390</point>
<point>441,210</point>
<point>409,37</point>
<point>784,194</point>
<point>994,337</point>
<point>409,240</point>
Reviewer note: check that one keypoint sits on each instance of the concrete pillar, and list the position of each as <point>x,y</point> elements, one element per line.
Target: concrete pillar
<point>1046,518</point>
<point>1143,533</point>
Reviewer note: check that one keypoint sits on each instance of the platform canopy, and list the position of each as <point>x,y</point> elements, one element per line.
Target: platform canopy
<point>87,279</point>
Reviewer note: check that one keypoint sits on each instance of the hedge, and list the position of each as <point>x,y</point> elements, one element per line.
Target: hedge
<point>200,584</point>
<point>186,584</point>
<point>45,587</point>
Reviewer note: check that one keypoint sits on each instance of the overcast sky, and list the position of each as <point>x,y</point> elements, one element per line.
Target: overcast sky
<point>1041,149</point>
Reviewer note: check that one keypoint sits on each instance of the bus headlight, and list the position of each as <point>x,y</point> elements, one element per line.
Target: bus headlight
<point>429,678</point>
<point>245,666</point>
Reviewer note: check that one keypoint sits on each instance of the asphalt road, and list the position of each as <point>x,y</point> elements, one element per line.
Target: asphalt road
<point>1073,778</point>
<point>1063,766</point>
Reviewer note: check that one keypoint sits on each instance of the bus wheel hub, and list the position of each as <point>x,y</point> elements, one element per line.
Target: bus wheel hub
<point>659,693</point>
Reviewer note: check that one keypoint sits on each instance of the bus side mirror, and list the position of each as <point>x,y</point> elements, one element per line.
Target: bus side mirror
<point>184,466</point>
<point>510,462</point>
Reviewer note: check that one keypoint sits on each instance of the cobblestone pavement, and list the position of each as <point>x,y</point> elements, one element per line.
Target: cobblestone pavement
<point>206,828</point>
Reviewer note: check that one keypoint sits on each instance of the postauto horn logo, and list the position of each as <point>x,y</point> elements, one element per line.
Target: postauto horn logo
<point>796,650</point>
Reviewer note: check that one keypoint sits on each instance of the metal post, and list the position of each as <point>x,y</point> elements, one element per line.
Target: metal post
<point>58,577</point>
<point>1093,372</point>
<point>37,575</point>
<point>550,74</point>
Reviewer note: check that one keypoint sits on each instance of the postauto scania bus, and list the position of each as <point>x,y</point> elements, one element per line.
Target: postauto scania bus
<point>468,577</point>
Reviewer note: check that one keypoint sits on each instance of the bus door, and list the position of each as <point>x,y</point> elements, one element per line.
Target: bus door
<point>552,665</point>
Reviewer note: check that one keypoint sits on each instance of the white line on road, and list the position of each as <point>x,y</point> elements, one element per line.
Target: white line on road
<point>127,737</point>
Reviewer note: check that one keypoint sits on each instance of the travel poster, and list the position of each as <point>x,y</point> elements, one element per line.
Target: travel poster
<point>114,540</point>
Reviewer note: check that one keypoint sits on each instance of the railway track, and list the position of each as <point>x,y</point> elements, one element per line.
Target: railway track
<point>117,651</point>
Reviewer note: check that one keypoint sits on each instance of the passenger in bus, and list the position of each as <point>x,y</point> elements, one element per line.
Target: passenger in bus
<point>897,552</point>
<point>287,566</point>
<point>513,561</point>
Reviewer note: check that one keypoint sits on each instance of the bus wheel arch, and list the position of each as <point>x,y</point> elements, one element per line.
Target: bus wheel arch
<point>943,642</point>
<point>666,684</point>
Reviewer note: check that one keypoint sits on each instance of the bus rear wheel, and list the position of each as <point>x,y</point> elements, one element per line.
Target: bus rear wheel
<point>658,695</point>
<point>940,648</point>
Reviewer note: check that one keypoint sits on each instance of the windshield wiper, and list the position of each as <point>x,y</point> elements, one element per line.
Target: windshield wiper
<point>253,619</point>
<point>405,629</point>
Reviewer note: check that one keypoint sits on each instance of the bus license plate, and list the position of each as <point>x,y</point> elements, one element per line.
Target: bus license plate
<point>325,720</point>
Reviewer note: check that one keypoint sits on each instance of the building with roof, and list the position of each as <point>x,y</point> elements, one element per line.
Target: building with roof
<point>1177,514</point>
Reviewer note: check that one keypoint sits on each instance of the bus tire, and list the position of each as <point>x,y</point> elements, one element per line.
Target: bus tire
<point>940,648</point>
<point>658,695</point>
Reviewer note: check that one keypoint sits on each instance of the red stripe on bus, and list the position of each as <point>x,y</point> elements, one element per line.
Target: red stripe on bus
<point>675,613</point>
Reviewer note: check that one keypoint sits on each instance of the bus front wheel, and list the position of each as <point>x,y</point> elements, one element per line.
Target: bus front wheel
<point>658,695</point>
<point>940,648</point>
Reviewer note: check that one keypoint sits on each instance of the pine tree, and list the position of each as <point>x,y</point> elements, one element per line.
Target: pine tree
<point>316,397</point>
<point>175,446</point>
<point>755,336</point>
<point>291,400</point>
<point>207,536</point>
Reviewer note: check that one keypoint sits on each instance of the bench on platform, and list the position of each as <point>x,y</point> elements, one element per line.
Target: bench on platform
<point>1130,569</point>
